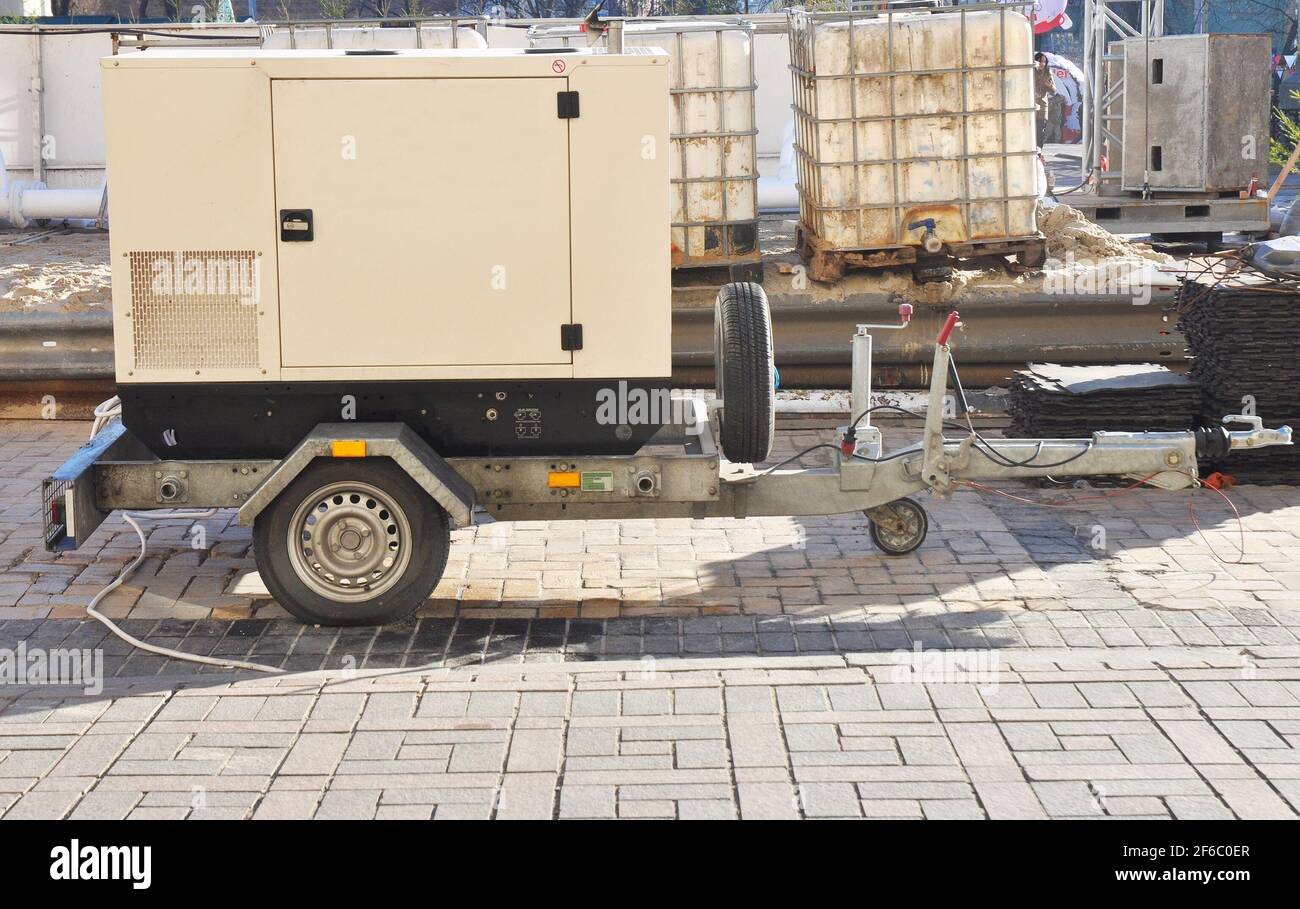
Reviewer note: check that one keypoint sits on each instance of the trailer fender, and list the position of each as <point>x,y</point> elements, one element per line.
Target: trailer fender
<point>370,440</point>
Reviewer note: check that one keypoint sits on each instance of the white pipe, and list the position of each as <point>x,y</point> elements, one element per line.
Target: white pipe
<point>61,204</point>
<point>780,193</point>
<point>775,194</point>
<point>22,203</point>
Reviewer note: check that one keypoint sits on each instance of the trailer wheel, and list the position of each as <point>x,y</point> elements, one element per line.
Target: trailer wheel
<point>352,542</point>
<point>899,527</point>
<point>746,372</point>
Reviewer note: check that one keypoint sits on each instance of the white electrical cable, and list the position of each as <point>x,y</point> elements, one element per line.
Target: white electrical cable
<point>126,572</point>
<point>104,413</point>
<point>131,518</point>
<point>92,611</point>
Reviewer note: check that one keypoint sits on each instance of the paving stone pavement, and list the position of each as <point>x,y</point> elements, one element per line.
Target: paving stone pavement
<point>447,643</point>
<point>1150,733</point>
<point>1025,662</point>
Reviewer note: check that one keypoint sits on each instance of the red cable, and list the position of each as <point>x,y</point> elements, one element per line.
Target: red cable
<point>1241,530</point>
<point>1063,503</point>
<point>1191,508</point>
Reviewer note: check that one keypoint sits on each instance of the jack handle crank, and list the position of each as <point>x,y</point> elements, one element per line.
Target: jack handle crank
<point>904,319</point>
<point>948,326</point>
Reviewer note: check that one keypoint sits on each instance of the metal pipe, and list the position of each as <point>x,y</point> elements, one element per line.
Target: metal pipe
<point>860,395</point>
<point>21,203</point>
<point>38,113</point>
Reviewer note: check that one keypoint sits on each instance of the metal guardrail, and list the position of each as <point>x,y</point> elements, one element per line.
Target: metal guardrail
<point>999,336</point>
<point>56,346</point>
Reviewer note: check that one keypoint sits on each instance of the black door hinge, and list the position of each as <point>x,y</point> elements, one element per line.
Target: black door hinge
<point>566,105</point>
<point>571,337</point>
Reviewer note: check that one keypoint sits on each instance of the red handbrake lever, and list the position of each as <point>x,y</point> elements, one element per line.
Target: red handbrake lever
<point>947,328</point>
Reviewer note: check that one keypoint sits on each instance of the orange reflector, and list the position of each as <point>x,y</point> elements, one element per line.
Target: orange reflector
<point>564,479</point>
<point>350,448</point>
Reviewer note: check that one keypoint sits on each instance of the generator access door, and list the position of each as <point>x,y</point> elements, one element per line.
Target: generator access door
<point>423,224</point>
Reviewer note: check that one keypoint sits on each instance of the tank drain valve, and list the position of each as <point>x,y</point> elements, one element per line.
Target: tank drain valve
<point>931,242</point>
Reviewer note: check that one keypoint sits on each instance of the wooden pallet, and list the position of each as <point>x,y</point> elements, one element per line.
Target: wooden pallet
<point>828,264</point>
<point>1169,214</point>
<point>749,269</point>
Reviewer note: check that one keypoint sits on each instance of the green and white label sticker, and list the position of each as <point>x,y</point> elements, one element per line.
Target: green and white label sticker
<point>598,481</point>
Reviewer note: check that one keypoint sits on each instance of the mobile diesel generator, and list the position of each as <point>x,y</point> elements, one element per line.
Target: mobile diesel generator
<point>360,296</point>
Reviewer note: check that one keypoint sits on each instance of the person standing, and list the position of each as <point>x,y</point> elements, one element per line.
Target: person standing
<point>1044,89</point>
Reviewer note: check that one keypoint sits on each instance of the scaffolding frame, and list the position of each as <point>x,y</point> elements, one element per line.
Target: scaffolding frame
<point>1103,84</point>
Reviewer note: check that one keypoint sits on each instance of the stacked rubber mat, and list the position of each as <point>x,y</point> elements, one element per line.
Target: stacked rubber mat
<point>1244,340</point>
<point>1071,402</point>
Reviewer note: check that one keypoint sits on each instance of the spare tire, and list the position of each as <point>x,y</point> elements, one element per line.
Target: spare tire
<point>746,372</point>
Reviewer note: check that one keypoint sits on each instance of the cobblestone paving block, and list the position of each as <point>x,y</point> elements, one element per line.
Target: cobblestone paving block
<point>588,802</point>
<point>296,805</point>
<point>344,804</point>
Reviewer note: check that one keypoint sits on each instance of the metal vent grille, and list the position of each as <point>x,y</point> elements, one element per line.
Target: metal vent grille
<point>195,309</point>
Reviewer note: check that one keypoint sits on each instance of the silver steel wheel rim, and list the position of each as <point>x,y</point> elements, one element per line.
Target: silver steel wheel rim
<point>349,542</point>
<point>910,517</point>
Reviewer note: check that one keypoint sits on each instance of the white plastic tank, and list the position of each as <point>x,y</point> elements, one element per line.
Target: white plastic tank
<point>433,37</point>
<point>938,125</point>
<point>714,164</point>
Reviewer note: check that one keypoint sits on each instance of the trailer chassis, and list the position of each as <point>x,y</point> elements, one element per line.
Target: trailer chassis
<point>682,474</point>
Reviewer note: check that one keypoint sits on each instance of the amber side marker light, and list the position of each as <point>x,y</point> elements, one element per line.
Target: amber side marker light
<point>564,479</point>
<point>348,448</point>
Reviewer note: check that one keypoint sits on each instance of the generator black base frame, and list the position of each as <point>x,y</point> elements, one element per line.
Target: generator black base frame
<point>456,418</point>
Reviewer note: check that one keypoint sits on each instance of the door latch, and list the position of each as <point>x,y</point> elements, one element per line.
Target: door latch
<point>296,225</point>
<point>571,336</point>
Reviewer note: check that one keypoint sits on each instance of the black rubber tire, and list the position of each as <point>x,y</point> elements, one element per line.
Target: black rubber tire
<point>746,372</point>
<point>430,532</point>
<point>893,547</point>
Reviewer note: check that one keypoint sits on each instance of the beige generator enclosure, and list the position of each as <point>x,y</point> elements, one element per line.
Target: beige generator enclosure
<point>316,215</point>
<point>714,160</point>
<point>914,125</point>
